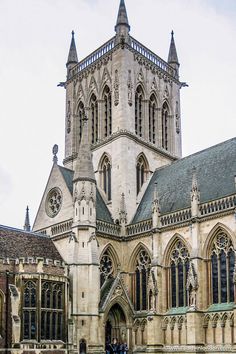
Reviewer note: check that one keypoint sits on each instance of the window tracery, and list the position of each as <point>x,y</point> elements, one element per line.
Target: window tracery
<point>106,176</point>
<point>107,112</point>
<point>141,173</point>
<point>165,126</point>
<point>179,266</point>
<point>142,272</point>
<point>222,269</point>
<point>106,267</point>
<point>29,310</point>
<point>94,118</point>
<point>152,119</point>
<point>139,111</point>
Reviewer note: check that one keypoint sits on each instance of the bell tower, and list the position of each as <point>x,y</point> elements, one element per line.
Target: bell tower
<point>131,98</point>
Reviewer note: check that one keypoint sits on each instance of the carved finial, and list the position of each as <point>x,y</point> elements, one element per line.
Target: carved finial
<point>27,222</point>
<point>73,33</point>
<point>55,151</point>
<point>195,195</point>
<point>155,208</point>
<point>123,213</point>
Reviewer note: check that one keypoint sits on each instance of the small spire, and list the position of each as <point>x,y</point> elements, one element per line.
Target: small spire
<point>123,213</point>
<point>84,166</point>
<point>122,18</point>
<point>72,57</point>
<point>27,222</point>
<point>55,151</point>
<point>156,210</point>
<point>172,57</point>
<point>195,195</point>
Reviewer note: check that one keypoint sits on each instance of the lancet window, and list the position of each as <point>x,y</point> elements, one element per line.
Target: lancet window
<point>94,118</point>
<point>142,272</point>
<point>141,172</point>
<point>139,111</point>
<point>152,118</point>
<point>52,311</point>
<point>165,126</point>
<point>106,267</point>
<point>80,115</point>
<point>222,269</point>
<point>107,111</point>
<point>106,176</point>
<point>29,310</point>
<point>179,266</point>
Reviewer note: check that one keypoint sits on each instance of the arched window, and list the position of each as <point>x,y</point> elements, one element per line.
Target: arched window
<point>165,126</point>
<point>94,118</point>
<point>222,269</point>
<point>142,272</point>
<point>107,111</point>
<point>29,310</point>
<point>179,265</point>
<point>106,267</point>
<point>139,111</point>
<point>80,115</point>
<point>106,176</point>
<point>52,311</point>
<point>152,118</point>
<point>141,172</point>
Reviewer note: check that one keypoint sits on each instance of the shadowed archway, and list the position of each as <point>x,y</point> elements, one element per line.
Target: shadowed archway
<point>116,325</point>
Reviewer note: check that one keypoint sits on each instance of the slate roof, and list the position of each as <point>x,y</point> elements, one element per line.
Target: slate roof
<point>215,171</point>
<point>103,213</point>
<point>16,243</point>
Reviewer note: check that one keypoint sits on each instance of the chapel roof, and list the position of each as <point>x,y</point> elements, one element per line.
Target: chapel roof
<point>15,243</point>
<point>215,173</point>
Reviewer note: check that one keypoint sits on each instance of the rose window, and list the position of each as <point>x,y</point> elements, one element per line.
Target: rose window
<point>54,201</point>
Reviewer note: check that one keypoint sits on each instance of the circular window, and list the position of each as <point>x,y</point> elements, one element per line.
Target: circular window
<point>53,202</point>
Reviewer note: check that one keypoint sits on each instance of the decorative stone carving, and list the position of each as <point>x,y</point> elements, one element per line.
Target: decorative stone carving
<point>123,213</point>
<point>154,85</point>
<point>192,285</point>
<point>68,115</point>
<point>130,89</point>
<point>53,202</point>
<point>177,118</point>
<point>116,89</point>
<point>152,291</point>
<point>140,77</point>
<point>166,93</point>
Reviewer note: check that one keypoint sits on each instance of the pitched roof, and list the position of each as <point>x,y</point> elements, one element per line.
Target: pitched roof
<point>215,171</point>
<point>103,212</point>
<point>16,243</point>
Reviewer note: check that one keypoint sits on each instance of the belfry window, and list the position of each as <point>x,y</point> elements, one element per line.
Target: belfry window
<point>142,272</point>
<point>152,119</point>
<point>29,310</point>
<point>179,266</point>
<point>94,118</point>
<point>80,115</point>
<point>141,173</point>
<point>139,111</point>
<point>165,126</point>
<point>222,269</point>
<point>107,112</point>
<point>106,177</point>
<point>106,267</point>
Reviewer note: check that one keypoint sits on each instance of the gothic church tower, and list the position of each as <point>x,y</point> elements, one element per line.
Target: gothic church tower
<point>132,101</point>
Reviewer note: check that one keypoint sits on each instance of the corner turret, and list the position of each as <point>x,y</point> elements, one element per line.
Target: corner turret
<point>72,56</point>
<point>122,26</point>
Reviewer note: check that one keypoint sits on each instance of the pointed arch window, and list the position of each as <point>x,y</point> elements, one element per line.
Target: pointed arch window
<point>139,111</point>
<point>106,267</point>
<point>222,269</point>
<point>29,310</point>
<point>179,266</point>
<point>106,176</point>
<point>94,118</point>
<point>152,118</point>
<point>107,111</point>
<point>142,272</point>
<point>80,116</point>
<point>165,126</point>
<point>141,172</point>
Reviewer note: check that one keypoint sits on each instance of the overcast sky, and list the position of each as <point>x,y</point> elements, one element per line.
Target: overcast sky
<point>34,42</point>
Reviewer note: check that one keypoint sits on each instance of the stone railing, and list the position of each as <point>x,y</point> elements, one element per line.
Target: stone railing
<point>110,229</point>
<point>218,205</point>
<point>177,217</point>
<point>90,59</point>
<point>148,54</point>
<point>61,228</point>
<point>139,228</point>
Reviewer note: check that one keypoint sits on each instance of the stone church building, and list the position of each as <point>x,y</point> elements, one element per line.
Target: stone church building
<point>131,241</point>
